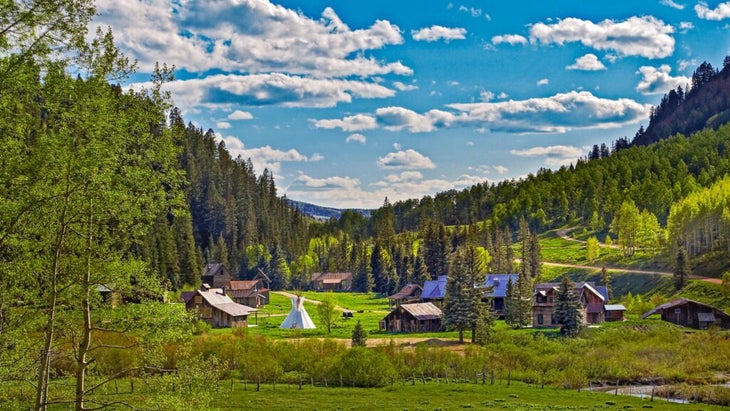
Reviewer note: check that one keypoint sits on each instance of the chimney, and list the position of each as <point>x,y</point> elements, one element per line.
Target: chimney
<point>223,290</point>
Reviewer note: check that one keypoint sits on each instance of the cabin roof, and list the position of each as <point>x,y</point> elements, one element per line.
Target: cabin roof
<point>498,282</point>
<point>435,289</point>
<point>422,311</point>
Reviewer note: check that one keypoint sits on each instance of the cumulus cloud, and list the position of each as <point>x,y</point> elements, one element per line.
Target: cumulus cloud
<point>555,114</point>
<point>265,157</point>
<point>436,33</point>
<point>223,125</point>
<point>721,12</point>
<point>658,80</point>
<point>348,192</point>
<point>399,118</point>
<point>500,169</point>
<point>405,159</point>
<point>270,89</point>
<point>240,115</point>
<point>543,82</point>
<point>588,62</point>
<point>357,137</point>
<point>511,39</point>
<point>553,155</point>
<point>404,87</point>
<point>251,36</point>
<point>357,122</point>
<point>304,181</point>
<point>644,36</point>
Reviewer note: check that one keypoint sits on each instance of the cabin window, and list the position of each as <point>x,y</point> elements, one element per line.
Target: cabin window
<point>540,319</point>
<point>198,299</point>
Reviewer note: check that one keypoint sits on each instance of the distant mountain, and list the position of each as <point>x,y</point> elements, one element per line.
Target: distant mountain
<point>323,213</point>
<point>705,105</point>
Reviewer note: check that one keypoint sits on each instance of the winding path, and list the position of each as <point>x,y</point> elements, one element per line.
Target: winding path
<point>563,233</point>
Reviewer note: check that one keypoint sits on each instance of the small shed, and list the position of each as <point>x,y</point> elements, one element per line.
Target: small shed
<point>690,313</point>
<point>412,318</point>
<point>332,281</point>
<point>410,293</point>
<point>615,312</point>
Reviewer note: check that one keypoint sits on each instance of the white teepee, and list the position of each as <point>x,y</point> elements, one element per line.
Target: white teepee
<point>298,317</point>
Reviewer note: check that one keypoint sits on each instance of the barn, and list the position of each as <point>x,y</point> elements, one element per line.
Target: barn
<point>690,313</point>
<point>412,318</point>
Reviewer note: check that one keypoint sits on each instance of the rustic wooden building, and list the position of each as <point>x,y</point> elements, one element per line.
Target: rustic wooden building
<point>216,308</point>
<point>590,303</point>
<point>216,276</point>
<point>331,281</point>
<point>690,313</point>
<point>410,293</point>
<point>615,312</point>
<point>412,318</point>
<point>252,293</point>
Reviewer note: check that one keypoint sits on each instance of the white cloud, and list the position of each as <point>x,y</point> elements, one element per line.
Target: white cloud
<point>405,159</point>
<point>264,157</point>
<point>588,62</point>
<point>357,122</point>
<point>555,114</point>
<point>399,118</point>
<point>404,87</point>
<point>270,89</point>
<point>543,82</point>
<point>500,169</point>
<point>240,115</point>
<point>553,155</point>
<point>686,26</point>
<point>346,192</point>
<point>323,184</point>
<point>357,137</point>
<point>721,12</point>
<point>475,12</point>
<point>672,4</point>
<point>436,33</point>
<point>644,36</point>
<point>252,36</point>
<point>223,125</point>
<point>658,80</point>
<point>486,95</point>
<point>511,39</point>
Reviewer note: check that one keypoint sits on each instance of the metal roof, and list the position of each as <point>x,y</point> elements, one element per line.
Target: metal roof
<point>422,311</point>
<point>434,289</point>
<point>498,282</point>
<point>615,307</point>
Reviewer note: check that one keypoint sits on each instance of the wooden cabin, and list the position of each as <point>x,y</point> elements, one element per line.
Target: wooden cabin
<point>216,276</point>
<point>590,303</point>
<point>410,293</point>
<point>692,314</point>
<point>413,318</point>
<point>331,281</point>
<point>215,307</point>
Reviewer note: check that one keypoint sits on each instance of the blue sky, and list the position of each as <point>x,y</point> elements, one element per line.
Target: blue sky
<point>349,102</point>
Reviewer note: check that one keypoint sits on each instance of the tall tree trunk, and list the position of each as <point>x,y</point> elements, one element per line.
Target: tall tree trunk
<point>47,352</point>
<point>81,363</point>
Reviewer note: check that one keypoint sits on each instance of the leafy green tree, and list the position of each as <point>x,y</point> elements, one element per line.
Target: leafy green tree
<point>593,249</point>
<point>327,312</point>
<point>625,225</point>
<point>566,311</point>
<point>359,336</point>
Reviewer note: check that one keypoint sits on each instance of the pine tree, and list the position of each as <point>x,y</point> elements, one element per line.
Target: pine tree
<point>566,311</point>
<point>606,281</point>
<point>510,305</point>
<point>681,269</point>
<point>359,336</point>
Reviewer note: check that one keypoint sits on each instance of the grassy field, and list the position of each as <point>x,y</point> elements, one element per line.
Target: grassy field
<point>402,396</point>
